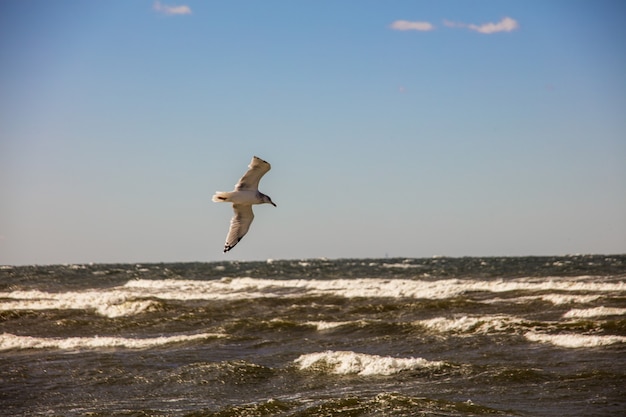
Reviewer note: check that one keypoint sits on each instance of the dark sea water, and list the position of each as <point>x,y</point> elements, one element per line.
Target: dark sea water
<point>529,336</point>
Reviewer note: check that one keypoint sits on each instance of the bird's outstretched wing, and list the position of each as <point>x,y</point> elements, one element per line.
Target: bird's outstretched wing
<point>239,225</point>
<point>250,180</point>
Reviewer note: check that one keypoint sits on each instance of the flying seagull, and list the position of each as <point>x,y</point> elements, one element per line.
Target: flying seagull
<point>245,194</point>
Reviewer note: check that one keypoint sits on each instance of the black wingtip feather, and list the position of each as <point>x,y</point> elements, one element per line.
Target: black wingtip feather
<point>227,248</point>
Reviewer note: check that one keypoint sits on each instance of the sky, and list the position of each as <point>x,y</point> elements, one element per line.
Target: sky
<point>400,129</point>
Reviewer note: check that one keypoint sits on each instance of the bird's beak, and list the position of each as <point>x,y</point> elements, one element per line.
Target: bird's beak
<point>272,203</point>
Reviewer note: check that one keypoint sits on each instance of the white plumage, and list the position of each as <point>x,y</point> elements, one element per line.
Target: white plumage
<point>245,194</point>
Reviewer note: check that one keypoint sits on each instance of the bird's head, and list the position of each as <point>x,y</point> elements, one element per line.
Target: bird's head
<point>268,200</point>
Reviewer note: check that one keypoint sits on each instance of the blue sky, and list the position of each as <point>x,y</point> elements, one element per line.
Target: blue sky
<point>404,128</point>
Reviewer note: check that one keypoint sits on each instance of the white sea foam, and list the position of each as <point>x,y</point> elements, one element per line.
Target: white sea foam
<point>556,299</point>
<point>142,295</point>
<point>467,324</point>
<point>111,303</point>
<point>575,340</point>
<point>462,324</point>
<point>327,325</point>
<point>127,308</point>
<point>346,362</point>
<point>594,312</point>
<point>230,288</point>
<point>560,299</point>
<point>9,341</point>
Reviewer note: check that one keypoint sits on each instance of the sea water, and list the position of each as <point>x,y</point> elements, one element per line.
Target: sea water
<point>526,336</point>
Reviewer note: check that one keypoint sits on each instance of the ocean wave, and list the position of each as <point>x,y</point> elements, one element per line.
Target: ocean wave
<point>110,303</point>
<point>555,298</point>
<point>328,325</point>
<point>347,362</point>
<point>474,325</point>
<point>382,404</point>
<point>400,265</point>
<point>468,325</point>
<point>10,341</point>
<point>575,340</point>
<point>245,287</point>
<point>142,295</point>
<point>464,324</point>
<point>594,312</point>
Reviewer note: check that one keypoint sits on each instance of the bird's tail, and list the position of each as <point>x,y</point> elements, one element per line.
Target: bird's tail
<point>221,196</point>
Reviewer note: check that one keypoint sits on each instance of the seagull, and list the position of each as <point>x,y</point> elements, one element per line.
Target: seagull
<point>245,194</point>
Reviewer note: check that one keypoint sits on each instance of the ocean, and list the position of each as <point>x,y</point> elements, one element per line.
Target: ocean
<point>502,336</point>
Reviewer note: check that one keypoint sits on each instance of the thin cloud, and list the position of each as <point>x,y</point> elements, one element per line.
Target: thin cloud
<point>171,10</point>
<point>451,24</point>
<point>507,24</point>
<point>408,25</point>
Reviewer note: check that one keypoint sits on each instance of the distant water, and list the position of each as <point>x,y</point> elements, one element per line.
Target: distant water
<point>530,336</point>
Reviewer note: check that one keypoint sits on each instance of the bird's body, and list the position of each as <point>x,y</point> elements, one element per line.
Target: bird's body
<point>239,197</point>
<point>245,194</point>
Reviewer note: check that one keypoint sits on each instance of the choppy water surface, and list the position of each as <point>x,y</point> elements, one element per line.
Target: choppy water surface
<point>536,336</point>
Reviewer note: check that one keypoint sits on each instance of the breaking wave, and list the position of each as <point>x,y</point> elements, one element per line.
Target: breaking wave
<point>11,341</point>
<point>575,340</point>
<point>110,303</point>
<point>347,362</point>
<point>143,295</point>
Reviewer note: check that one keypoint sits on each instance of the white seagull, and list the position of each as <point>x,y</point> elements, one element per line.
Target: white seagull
<point>245,194</point>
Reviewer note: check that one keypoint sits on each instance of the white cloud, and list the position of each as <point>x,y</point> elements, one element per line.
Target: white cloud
<point>507,24</point>
<point>407,25</point>
<point>170,10</point>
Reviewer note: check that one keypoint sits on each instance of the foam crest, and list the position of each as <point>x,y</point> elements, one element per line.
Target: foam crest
<point>244,287</point>
<point>347,362</point>
<point>575,340</point>
<point>239,288</point>
<point>582,313</point>
<point>556,299</point>
<point>110,303</point>
<point>560,299</point>
<point>327,325</point>
<point>126,308</point>
<point>142,295</point>
<point>9,341</point>
<point>466,324</point>
<point>224,289</point>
